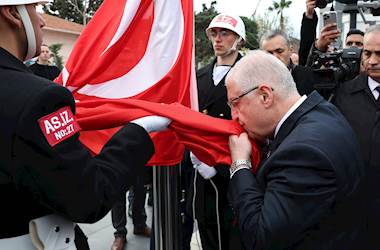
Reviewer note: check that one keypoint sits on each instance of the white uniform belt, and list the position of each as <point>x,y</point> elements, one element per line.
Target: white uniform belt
<point>23,242</point>
<point>51,232</point>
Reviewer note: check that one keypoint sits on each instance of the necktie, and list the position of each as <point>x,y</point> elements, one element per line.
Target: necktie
<point>378,91</point>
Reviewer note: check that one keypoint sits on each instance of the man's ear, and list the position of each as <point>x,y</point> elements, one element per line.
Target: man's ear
<point>241,43</point>
<point>266,95</point>
<point>11,15</point>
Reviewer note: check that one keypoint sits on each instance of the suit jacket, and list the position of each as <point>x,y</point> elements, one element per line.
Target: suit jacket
<point>357,103</point>
<point>36,178</point>
<point>307,193</point>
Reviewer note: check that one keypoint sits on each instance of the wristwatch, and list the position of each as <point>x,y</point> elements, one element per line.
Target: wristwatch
<point>239,164</point>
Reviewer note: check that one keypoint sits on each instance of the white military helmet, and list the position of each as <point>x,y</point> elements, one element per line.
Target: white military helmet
<point>29,30</point>
<point>227,21</point>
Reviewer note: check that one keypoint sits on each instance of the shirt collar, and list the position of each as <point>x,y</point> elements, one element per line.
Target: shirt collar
<point>290,111</point>
<point>372,84</point>
<point>219,72</point>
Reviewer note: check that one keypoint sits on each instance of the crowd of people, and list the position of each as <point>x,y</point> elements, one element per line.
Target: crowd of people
<point>315,187</point>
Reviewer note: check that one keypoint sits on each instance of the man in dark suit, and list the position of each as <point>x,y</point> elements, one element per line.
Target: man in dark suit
<point>307,193</point>
<point>359,102</point>
<point>227,35</point>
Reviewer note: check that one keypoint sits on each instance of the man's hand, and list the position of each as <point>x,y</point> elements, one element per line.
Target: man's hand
<point>153,123</point>
<point>310,6</point>
<point>240,147</point>
<point>329,34</point>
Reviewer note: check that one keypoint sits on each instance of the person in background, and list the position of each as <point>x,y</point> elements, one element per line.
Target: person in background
<point>329,34</point>
<point>278,44</point>
<point>359,102</point>
<point>138,214</point>
<point>354,38</point>
<point>43,67</point>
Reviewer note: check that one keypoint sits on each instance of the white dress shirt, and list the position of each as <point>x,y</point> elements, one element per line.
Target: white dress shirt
<point>290,111</point>
<point>372,84</point>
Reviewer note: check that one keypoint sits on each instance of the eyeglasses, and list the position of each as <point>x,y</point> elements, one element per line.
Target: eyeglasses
<point>214,33</point>
<point>235,100</point>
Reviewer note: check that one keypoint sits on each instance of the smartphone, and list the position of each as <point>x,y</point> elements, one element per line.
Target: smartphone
<point>329,17</point>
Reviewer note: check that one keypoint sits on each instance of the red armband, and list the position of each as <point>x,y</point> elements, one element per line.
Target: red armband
<point>58,126</point>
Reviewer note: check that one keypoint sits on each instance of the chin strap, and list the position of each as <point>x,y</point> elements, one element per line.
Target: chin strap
<point>233,48</point>
<point>29,31</point>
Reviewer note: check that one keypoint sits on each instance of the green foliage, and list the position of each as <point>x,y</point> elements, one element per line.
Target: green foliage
<point>251,30</point>
<point>203,47</point>
<point>79,11</point>
<point>57,58</point>
<point>279,8</point>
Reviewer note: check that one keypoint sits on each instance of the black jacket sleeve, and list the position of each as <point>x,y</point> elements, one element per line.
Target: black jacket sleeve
<point>307,37</point>
<point>300,188</point>
<point>66,178</point>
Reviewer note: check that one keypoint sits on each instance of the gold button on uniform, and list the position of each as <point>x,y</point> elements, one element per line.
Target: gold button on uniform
<point>205,111</point>
<point>221,115</point>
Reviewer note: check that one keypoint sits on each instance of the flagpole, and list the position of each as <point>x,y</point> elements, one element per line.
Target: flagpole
<point>166,214</point>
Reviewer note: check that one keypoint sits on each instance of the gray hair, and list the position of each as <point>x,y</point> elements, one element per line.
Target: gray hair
<point>372,29</point>
<point>272,34</point>
<point>260,67</point>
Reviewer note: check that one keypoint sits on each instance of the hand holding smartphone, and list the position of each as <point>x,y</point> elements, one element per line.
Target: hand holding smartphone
<point>330,33</point>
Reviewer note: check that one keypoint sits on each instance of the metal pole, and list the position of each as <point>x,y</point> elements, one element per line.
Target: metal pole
<point>166,207</point>
<point>353,20</point>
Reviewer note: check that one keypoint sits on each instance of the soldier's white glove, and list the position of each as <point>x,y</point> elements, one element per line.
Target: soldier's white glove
<point>206,171</point>
<point>153,123</point>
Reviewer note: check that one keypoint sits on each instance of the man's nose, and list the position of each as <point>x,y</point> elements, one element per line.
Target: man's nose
<point>374,59</point>
<point>218,36</point>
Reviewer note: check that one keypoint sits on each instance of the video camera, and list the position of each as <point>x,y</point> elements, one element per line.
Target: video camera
<point>373,5</point>
<point>337,67</point>
<point>322,3</point>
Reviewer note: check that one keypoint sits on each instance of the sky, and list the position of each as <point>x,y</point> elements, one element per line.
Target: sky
<point>247,7</point>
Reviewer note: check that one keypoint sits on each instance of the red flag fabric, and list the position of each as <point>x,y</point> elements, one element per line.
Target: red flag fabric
<point>135,49</point>
<point>206,136</point>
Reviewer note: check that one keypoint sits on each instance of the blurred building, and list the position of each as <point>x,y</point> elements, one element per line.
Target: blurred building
<point>58,30</point>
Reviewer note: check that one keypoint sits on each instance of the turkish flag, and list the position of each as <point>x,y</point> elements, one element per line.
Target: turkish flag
<point>207,137</point>
<point>134,50</point>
